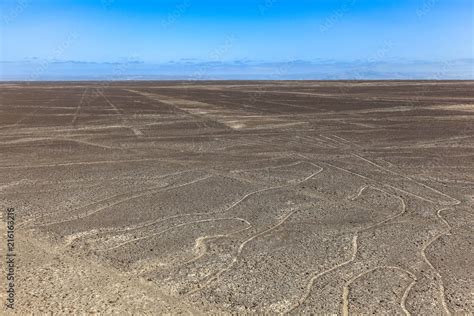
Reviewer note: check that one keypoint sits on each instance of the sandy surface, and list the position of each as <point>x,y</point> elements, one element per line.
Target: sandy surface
<point>278,197</point>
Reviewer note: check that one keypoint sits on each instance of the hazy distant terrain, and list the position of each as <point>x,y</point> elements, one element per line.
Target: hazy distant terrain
<point>130,69</point>
<point>240,196</point>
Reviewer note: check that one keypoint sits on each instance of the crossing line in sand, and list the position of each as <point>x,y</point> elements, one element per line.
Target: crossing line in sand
<point>455,201</point>
<point>127,198</point>
<point>78,108</point>
<point>354,249</point>
<point>242,245</point>
<point>243,198</point>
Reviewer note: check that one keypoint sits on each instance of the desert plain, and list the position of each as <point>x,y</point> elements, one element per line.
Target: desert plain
<point>194,197</point>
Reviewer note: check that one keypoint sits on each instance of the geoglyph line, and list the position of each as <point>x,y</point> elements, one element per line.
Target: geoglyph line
<point>32,140</point>
<point>317,276</point>
<point>405,296</point>
<point>359,192</point>
<point>442,295</point>
<point>345,291</point>
<point>125,199</point>
<point>324,142</point>
<point>354,244</point>
<point>345,308</point>
<point>206,213</point>
<point>272,167</point>
<point>403,204</point>
<point>239,251</point>
<point>78,108</point>
<point>341,138</point>
<point>200,244</point>
<point>456,201</point>
<point>110,103</point>
<point>171,228</point>
<point>337,143</point>
<point>242,245</point>
<point>243,198</point>
<point>347,141</point>
<point>14,183</point>
<point>372,180</point>
<point>124,194</point>
<point>440,284</point>
<point>86,163</point>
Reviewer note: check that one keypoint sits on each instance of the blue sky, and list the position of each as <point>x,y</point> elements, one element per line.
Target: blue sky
<point>263,30</point>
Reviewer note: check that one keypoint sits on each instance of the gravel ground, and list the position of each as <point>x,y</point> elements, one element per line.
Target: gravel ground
<point>239,197</point>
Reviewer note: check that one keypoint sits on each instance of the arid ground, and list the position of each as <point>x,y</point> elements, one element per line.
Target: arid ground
<point>240,196</point>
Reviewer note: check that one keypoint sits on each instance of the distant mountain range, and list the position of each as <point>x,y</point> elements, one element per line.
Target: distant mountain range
<point>193,69</point>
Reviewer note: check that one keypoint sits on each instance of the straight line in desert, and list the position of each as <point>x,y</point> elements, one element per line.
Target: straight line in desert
<point>110,103</point>
<point>127,198</point>
<point>116,196</point>
<point>32,140</point>
<point>78,108</point>
<point>456,201</point>
<point>80,163</point>
<point>372,180</point>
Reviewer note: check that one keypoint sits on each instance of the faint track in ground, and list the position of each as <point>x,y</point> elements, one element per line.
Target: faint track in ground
<point>173,227</point>
<point>86,163</point>
<point>455,201</point>
<point>246,196</point>
<point>242,245</point>
<point>239,251</point>
<point>83,142</point>
<point>78,109</point>
<point>390,218</point>
<point>124,199</point>
<point>311,281</point>
<point>346,288</point>
<point>354,244</point>
<point>442,296</point>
